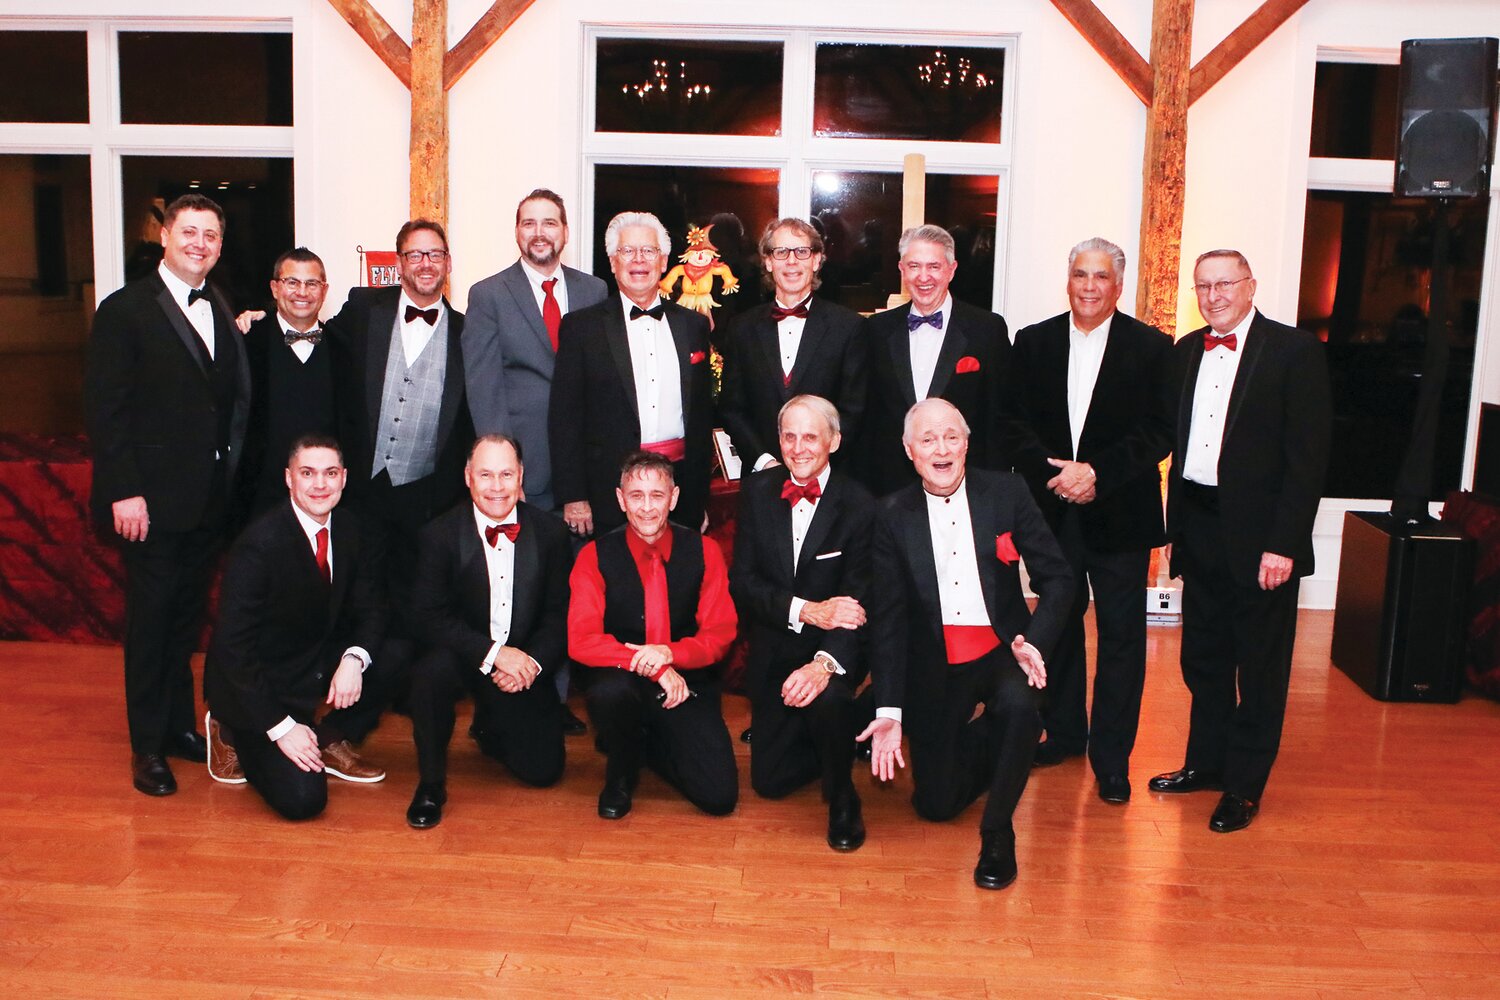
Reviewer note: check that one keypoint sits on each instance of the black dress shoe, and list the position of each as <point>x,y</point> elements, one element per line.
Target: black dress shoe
<point>572,724</point>
<point>745,736</point>
<point>1050,753</point>
<point>1186,780</point>
<point>426,809</point>
<point>152,775</point>
<point>864,751</point>
<point>1114,789</point>
<point>1234,812</point>
<point>189,746</point>
<point>997,862</point>
<point>614,801</point>
<point>846,824</point>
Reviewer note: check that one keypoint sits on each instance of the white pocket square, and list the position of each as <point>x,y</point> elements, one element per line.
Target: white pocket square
<point>828,555</point>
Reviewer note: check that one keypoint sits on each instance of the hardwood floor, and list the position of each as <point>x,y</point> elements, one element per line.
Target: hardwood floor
<point>1372,871</point>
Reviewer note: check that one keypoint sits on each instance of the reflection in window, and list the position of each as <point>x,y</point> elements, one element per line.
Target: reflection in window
<point>46,76</point>
<point>914,92</point>
<point>205,78</point>
<point>46,291</point>
<point>1365,290</point>
<point>692,87</point>
<point>255,193</point>
<point>1354,111</point>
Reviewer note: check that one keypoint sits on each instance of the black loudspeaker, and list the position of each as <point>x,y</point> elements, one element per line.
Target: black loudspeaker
<point>1403,608</point>
<point>1447,136</point>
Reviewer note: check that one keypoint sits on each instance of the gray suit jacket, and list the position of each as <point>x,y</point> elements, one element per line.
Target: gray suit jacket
<point>508,361</point>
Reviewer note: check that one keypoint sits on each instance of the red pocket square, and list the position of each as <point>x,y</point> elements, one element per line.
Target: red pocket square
<point>696,357</point>
<point>1005,549</point>
<point>967,363</point>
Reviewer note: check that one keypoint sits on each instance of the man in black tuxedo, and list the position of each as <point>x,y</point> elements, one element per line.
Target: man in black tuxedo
<point>797,344</point>
<point>1254,427</point>
<point>632,372</point>
<point>932,347</point>
<point>299,615</point>
<point>166,399</point>
<point>492,597</point>
<point>951,631</point>
<point>1089,420</point>
<point>291,378</point>
<point>800,580</point>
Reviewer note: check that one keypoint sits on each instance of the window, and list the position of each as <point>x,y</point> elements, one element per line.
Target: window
<point>688,86</point>
<point>47,76</point>
<point>251,74</point>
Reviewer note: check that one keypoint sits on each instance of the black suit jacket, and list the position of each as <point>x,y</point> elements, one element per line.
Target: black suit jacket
<point>361,335</point>
<point>1127,433</point>
<point>972,333</point>
<point>1274,457</point>
<point>830,362</point>
<point>835,560</point>
<point>282,627</point>
<point>908,662</point>
<point>151,415</point>
<point>452,591</point>
<point>264,460</point>
<point>593,422</point>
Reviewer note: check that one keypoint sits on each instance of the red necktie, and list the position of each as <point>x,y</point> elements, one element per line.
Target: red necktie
<point>551,311</point>
<point>493,532</point>
<point>658,605</point>
<point>322,554</point>
<point>810,491</point>
<point>1210,341</point>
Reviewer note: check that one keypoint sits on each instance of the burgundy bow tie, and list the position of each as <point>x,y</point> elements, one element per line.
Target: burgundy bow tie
<point>430,315</point>
<point>809,491</point>
<point>799,310</point>
<point>493,532</point>
<point>1210,341</point>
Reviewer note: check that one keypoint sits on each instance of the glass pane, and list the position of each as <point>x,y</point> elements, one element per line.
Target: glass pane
<point>859,215</point>
<point>46,76</point>
<point>255,193</point>
<point>737,202</point>
<point>699,88</point>
<point>1355,111</point>
<point>46,292</point>
<point>1366,288</point>
<point>241,78</point>
<point>908,92</point>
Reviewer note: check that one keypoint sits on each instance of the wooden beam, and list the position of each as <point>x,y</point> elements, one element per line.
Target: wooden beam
<point>486,31</point>
<point>1240,43</point>
<point>429,111</point>
<point>1164,174</point>
<point>1106,39</point>
<point>378,35</point>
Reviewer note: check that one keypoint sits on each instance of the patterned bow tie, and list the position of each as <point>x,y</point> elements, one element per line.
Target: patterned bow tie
<point>799,310</point>
<point>493,532</point>
<point>194,294</point>
<point>913,321</point>
<point>313,336</point>
<point>430,315</point>
<point>1210,341</point>
<point>655,312</point>
<point>809,491</point>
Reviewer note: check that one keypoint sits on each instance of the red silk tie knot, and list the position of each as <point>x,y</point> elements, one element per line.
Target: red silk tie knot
<point>551,311</point>
<point>493,532</point>
<point>799,310</point>
<point>1210,341</point>
<point>427,315</point>
<point>809,491</point>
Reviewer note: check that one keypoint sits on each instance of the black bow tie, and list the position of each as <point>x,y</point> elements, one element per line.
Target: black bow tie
<point>655,312</point>
<point>194,294</point>
<point>313,336</point>
<point>430,315</point>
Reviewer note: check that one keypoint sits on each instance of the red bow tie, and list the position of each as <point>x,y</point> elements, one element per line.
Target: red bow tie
<point>791,492</point>
<point>1210,341</point>
<point>799,310</point>
<point>493,532</point>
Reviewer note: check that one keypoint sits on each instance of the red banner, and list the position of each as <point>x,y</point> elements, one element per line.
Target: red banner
<point>380,269</point>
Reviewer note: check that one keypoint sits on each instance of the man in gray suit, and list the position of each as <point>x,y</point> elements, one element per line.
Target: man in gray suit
<point>510,345</point>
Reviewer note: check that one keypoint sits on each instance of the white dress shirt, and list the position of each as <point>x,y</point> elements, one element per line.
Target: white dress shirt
<point>302,348</point>
<point>802,518</point>
<point>1085,355</point>
<point>1211,407</point>
<point>500,564</point>
<point>789,339</point>
<point>658,377</point>
<point>200,315</point>
<point>416,335</point>
<point>559,290</point>
<point>926,344</point>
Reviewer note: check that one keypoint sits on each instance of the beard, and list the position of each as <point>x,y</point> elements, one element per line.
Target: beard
<point>544,259</point>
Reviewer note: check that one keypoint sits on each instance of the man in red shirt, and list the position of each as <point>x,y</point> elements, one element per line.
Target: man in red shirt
<point>650,605</point>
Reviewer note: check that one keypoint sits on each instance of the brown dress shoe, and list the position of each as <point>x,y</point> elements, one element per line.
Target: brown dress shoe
<point>223,759</point>
<point>340,760</point>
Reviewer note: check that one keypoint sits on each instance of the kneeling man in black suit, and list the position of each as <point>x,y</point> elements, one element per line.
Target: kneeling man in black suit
<point>299,612</point>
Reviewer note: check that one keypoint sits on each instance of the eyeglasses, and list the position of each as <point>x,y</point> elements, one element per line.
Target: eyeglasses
<point>415,256</point>
<point>638,253</point>
<point>1217,287</point>
<point>801,253</point>
<point>297,284</point>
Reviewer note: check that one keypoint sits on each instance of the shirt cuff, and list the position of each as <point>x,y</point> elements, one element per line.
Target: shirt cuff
<point>765,460</point>
<point>488,666</point>
<point>794,615</point>
<point>281,728</point>
<point>362,655</point>
<point>888,713</point>
<point>838,668</point>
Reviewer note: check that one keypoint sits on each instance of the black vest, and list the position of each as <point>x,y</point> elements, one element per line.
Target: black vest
<point>223,377</point>
<point>299,400</point>
<point>625,594</point>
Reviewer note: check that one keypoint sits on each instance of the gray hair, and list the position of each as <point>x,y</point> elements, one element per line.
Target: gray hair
<point>929,234</point>
<point>1102,245</point>
<point>925,404</point>
<point>619,222</point>
<point>818,405</point>
<point>1232,254</point>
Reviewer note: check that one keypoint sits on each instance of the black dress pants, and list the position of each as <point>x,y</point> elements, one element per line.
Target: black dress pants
<point>793,746</point>
<point>291,791</point>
